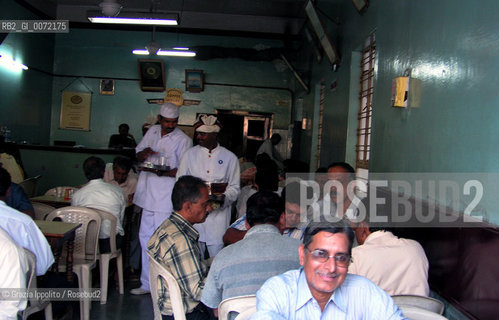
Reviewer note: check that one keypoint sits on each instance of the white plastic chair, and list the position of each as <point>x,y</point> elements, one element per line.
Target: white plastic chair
<point>422,302</point>
<point>244,305</point>
<point>42,210</point>
<point>85,247</point>
<point>30,185</point>
<point>106,257</point>
<point>415,313</point>
<point>157,271</point>
<point>34,305</point>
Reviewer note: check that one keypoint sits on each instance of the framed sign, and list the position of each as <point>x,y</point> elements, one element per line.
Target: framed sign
<point>107,86</point>
<point>75,111</point>
<point>194,80</point>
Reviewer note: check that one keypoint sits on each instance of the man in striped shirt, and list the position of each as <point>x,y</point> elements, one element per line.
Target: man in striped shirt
<point>175,246</point>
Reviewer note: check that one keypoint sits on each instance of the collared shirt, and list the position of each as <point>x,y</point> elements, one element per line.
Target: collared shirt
<point>13,268</point>
<point>287,296</point>
<point>397,265</point>
<point>128,187</point>
<point>174,245</point>
<point>27,234</point>
<point>17,198</point>
<point>295,233</point>
<point>153,192</point>
<point>101,195</point>
<point>242,268</point>
<point>217,165</point>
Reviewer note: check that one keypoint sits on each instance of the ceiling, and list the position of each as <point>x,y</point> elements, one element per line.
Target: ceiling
<point>276,18</point>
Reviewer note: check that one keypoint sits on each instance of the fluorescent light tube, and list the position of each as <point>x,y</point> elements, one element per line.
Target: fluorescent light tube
<point>11,64</point>
<point>170,53</point>
<point>136,18</point>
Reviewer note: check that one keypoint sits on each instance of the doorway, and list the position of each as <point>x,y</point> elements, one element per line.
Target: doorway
<point>243,131</point>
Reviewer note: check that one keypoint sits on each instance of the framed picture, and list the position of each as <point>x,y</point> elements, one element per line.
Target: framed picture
<point>194,80</point>
<point>107,86</point>
<point>151,75</point>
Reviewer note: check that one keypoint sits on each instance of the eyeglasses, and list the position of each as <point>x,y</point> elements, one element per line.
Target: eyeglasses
<point>322,256</point>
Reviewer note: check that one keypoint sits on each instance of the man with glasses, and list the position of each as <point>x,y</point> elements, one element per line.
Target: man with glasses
<point>322,289</point>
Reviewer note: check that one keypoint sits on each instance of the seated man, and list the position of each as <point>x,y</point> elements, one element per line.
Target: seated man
<point>18,200</point>
<point>322,289</point>
<point>23,229</point>
<point>13,268</point>
<point>123,139</point>
<point>118,173</point>
<point>240,269</point>
<point>293,213</point>
<point>175,246</point>
<point>104,196</point>
<point>396,265</point>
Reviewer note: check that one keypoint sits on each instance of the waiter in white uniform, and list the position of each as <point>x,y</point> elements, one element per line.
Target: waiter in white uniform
<point>163,143</point>
<point>215,164</point>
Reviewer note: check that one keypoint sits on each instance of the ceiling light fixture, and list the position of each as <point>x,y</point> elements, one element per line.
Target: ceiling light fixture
<point>154,19</point>
<point>171,53</point>
<point>12,64</point>
<point>110,8</point>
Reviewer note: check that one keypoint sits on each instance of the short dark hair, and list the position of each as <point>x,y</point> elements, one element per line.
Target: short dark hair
<point>5,181</point>
<point>187,188</point>
<point>123,162</point>
<point>292,192</point>
<point>267,179</point>
<point>94,168</point>
<point>348,168</point>
<point>264,207</point>
<point>341,226</point>
<point>124,125</point>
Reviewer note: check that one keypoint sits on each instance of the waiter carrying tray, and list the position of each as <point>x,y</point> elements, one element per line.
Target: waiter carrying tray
<point>160,150</point>
<point>219,167</point>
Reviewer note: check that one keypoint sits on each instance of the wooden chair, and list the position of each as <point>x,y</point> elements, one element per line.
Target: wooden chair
<point>30,185</point>
<point>104,258</point>
<point>422,302</point>
<point>42,210</point>
<point>415,313</point>
<point>157,271</point>
<point>85,247</point>
<point>34,304</point>
<point>245,306</point>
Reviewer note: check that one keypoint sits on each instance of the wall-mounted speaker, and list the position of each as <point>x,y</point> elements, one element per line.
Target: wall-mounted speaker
<point>151,75</point>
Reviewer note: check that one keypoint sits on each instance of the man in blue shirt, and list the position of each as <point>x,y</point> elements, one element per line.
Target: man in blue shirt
<point>322,289</point>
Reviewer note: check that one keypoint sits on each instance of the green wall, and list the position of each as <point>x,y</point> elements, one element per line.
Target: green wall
<point>107,54</point>
<point>25,96</point>
<point>453,48</point>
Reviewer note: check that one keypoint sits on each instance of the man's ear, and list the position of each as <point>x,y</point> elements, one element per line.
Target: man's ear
<point>186,206</point>
<point>301,254</point>
<point>159,118</point>
<point>282,222</point>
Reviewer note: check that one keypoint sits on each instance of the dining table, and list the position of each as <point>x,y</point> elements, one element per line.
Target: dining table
<point>59,233</point>
<point>52,200</point>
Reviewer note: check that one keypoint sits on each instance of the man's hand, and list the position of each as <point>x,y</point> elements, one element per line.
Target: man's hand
<point>144,154</point>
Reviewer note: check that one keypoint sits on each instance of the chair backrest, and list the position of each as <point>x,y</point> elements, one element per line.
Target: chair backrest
<point>244,305</point>
<point>113,220</point>
<point>415,313</point>
<point>87,236</point>
<point>41,210</point>
<point>30,185</point>
<point>157,271</point>
<point>34,303</point>
<point>426,303</point>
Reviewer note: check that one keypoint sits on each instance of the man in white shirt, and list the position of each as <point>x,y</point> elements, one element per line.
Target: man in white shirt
<point>119,173</point>
<point>154,188</point>
<point>13,268</point>
<point>23,229</point>
<point>396,265</point>
<point>215,164</point>
<point>268,147</point>
<point>104,196</point>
